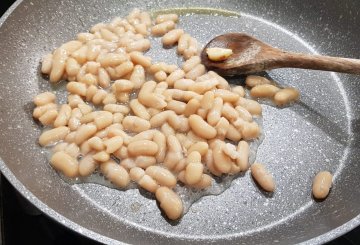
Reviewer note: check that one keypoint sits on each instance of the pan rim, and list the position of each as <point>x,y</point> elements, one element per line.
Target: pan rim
<point>20,187</point>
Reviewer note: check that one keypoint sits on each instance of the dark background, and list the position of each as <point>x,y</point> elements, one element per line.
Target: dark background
<point>21,223</point>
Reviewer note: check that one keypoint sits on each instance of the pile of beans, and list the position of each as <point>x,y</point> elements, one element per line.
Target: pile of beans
<point>186,125</point>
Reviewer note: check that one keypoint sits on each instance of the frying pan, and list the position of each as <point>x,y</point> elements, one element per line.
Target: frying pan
<point>319,133</point>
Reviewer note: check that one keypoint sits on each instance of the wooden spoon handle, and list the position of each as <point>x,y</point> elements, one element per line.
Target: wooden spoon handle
<point>318,62</point>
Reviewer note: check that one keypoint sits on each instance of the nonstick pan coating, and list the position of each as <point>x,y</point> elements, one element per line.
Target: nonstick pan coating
<point>319,133</point>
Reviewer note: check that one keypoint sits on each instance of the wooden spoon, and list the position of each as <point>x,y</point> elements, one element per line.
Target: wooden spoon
<point>250,55</point>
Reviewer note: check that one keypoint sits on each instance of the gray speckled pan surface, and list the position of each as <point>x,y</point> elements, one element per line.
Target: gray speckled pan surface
<point>321,132</point>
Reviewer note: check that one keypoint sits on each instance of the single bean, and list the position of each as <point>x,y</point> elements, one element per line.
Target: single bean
<point>143,147</point>
<point>139,59</point>
<point>162,176</point>
<point>222,162</point>
<point>238,90</point>
<point>53,135</point>
<point>48,117</point>
<point>96,143</point>
<point>135,124</point>
<point>205,86</point>
<point>123,85</point>
<point>145,161</point>
<point>223,84</point>
<point>141,45</point>
<point>99,96</point>
<point>139,110</point>
<point>115,173</point>
<point>252,81</point>
<point>183,84</point>
<point>322,184</point>
<point>87,165</point>
<point>197,71</point>
<point>177,106</point>
<point>162,28</point>
<point>174,76</point>
<point>124,68</point>
<point>85,36</point>
<point>218,54</point>
<point>65,163</point>
<point>244,114</point>
<point>46,64</point>
<point>170,202</point>
<point>191,63</point>
<point>222,128</point>
<point>167,130</point>
<point>113,144</point>
<point>101,156</point>
<point>160,76</point>
<point>201,127</point>
<point>44,98</point>
<point>58,64</point>
<point>172,37</point>
<point>191,107</point>
<point>251,106</point>
<point>286,96</point>
<point>229,112</point>
<point>160,140</point>
<point>90,92</point>
<point>262,177</point>
<point>114,108</point>
<point>192,48</point>
<point>93,52</point>
<point>80,54</point>
<point>166,17</point>
<point>243,158</point>
<point>183,43</point>
<point>76,88</point>
<point>84,132</point>
<point>138,76</point>
<point>209,161</point>
<point>148,183</point>
<point>136,174</point>
<point>207,100</point>
<point>264,91</point>
<point>214,114</point>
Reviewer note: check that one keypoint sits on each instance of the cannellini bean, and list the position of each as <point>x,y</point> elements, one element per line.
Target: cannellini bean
<point>229,112</point>
<point>73,150</point>
<point>251,106</point>
<point>59,147</point>
<point>76,88</point>
<point>127,163</point>
<point>46,64</point>
<point>191,107</point>
<point>197,71</point>
<point>184,84</point>
<point>96,143</point>
<point>243,157</point>
<point>174,154</point>
<point>167,130</point>
<point>223,84</point>
<point>115,173</point>
<point>84,132</point>
<point>322,184</point>
<point>143,147</point>
<point>230,150</point>
<point>193,137</point>
<point>85,36</point>
<point>160,76</point>
<point>138,76</point>
<point>101,156</point>
<point>124,68</point>
<point>113,144</point>
<point>286,96</point>
<point>192,48</point>
<point>40,110</point>
<point>145,161</point>
<point>89,117</point>
<point>108,35</point>
<point>248,130</point>
<point>135,124</point>
<point>222,162</point>
<point>103,119</point>
<point>48,117</point>
<point>252,81</point>
<point>264,91</point>
<point>222,128</point>
<point>227,95</point>
<point>148,183</point>
<point>44,98</point>
<point>139,110</point>
<point>99,96</point>
<point>104,78</point>
<point>89,79</point>
<point>174,76</point>
<point>85,109</point>
<point>184,140</point>
<point>209,161</point>
<point>140,45</point>
<point>141,28</point>
<point>243,113</point>
<point>214,114</point>
<point>65,163</point>
<point>123,97</point>
<point>93,52</point>
<point>233,134</point>
<point>92,67</point>
<point>207,100</point>
<point>111,59</point>
<point>205,181</point>
<point>162,176</point>
<point>74,121</point>
<point>90,92</point>
<point>53,135</point>
<point>218,54</point>
<point>262,177</point>
<point>136,173</point>
<point>74,100</point>
<point>109,99</point>
<point>84,147</point>
<point>172,37</point>
<point>80,54</point>
<point>71,46</point>
<point>58,64</point>
<point>87,165</point>
<point>162,28</point>
<point>160,88</point>
<point>160,140</point>
<point>203,87</point>
<point>123,85</point>
<point>139,59</point>
<point>238,90</point>
<point>194,172</point>
<point>170,202</point>
<point>183,43</point>
<point>63,116</point>
<point>114,108</point>
<point>145,18</point>
<point>201,127</point>
<point>177,106</point>
<point>191,63</point>
<point>166,17</point>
